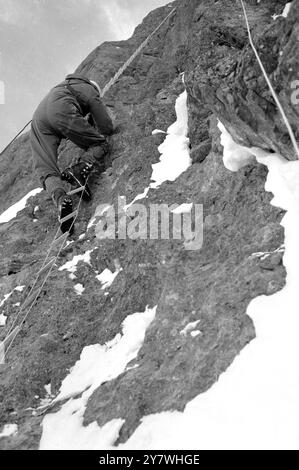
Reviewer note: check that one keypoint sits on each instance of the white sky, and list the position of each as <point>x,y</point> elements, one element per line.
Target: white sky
<point>43,40</point>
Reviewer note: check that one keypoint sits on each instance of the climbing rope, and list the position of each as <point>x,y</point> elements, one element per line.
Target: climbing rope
<point>134,55</point>
<point>33,295</point>
<point>13,332</point>
<point>12,141</point>
<point>276,99</point>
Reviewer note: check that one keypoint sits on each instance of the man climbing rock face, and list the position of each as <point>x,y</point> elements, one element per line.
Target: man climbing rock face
<point>62,114</point>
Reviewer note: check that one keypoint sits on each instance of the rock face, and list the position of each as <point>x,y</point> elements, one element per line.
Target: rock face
<point>208,41</point>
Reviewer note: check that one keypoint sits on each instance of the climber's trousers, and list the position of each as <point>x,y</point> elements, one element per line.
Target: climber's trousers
<point>44,146</point>
<point>45,153</point>
<point>51,183</point>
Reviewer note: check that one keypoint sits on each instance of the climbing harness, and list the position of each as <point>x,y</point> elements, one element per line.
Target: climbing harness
<point>59,240</point>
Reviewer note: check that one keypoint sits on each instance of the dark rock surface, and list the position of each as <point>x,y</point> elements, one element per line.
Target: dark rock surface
<point>208,41</point>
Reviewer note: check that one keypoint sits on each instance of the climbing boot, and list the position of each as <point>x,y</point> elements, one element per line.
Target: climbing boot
<point>77,176</point>
<point>64,204</point>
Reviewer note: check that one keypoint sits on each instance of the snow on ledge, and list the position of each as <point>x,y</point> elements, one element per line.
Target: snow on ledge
<point>107,277</point>
<point>190,328</point>
<point>235,156</point>
<point>12,211</point>
<point>183,208</point>
<point>285,12</point>
<point>9,430</point>
<point>79,289</point>
<point>71,265</point>
<point>98,364</point>
<point>158,131</point>
<point>175,151</point>
<point>254,404</point>
<point>3,317</point>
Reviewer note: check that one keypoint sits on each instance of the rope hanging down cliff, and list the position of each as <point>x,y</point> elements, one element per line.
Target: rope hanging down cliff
<point>15,137</point>
<point>33,294</point>
<point>276,99</point>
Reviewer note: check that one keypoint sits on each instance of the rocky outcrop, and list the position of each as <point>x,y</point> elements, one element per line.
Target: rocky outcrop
<point>208,41</point>
<point>226,79</point>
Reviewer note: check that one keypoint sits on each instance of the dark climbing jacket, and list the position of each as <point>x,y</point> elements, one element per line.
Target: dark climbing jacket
<point>89,101</point>
<point>61,114</point>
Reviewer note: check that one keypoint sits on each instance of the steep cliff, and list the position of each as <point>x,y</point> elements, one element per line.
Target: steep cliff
<point>206,290</point>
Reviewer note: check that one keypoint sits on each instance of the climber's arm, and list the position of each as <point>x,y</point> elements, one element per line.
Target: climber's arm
<point>100,115</point>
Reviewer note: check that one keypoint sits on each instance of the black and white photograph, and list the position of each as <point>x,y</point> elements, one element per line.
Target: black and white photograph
<point>149,230</point>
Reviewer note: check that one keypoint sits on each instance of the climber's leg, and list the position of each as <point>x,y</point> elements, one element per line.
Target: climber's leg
<point>64,204</point>
<point>44,146</point>
<point>78,174</point>
<point>77,129</point>
<point>52,183</point>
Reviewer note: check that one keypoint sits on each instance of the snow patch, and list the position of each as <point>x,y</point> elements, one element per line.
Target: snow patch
<point>48,389</point>
<point>188,328</point>
<point>3,319</point>
<point>9,430</point>
<point>107,277</point>
<point>6,297</point>
<point>79,289</point>
<point>71,266</point>
<point>235,156</point>
<point>254,404</point>
<point>183,208</point>
<point>158,131</point>
<point>265,254</point>
<point>99,212</point>
<point>12,211</point>
<point>137,198</point>
<point>91,223</point>
<point>19,288</point>
<point>175,151</point>
<point>97,364</point>
<point>195,333</point>
<point>285,12</point>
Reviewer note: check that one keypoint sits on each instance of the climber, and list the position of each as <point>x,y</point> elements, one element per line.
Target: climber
<point>74,110</point>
